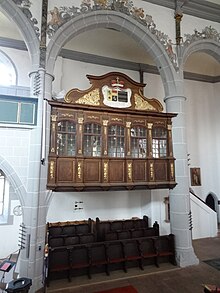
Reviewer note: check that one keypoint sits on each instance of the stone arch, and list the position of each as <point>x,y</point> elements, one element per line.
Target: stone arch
<point>209,47</point>
<point>120,22</point>
<point>26,29</point>
<point>14,179</point>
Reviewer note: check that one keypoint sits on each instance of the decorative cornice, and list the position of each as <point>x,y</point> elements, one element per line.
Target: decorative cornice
<point>105,61</point>
<point>207,33</point>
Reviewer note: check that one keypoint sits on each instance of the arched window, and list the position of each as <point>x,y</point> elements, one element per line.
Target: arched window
<point>4,197</point>
<point>66,138</point>
<point>116,141</point>
<point>92,140</point>
<point>159,142</point>
<point>138,142</point>
<point>2,191</point>
<point>8,74</point>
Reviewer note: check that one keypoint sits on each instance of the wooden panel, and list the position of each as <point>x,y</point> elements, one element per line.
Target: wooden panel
<point>92,170</point>
<point>116,171</point>
<point>65,170</point>
<point>160,170</point>
<point>139,170</point>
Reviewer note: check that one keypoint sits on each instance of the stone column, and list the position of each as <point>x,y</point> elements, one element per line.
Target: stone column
<point>36,201</point>
<point>179,196</point>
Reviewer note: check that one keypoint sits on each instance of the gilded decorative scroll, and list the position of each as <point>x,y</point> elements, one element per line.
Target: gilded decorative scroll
<point>151,171</point>
<point>105,171</point>
<point>139,121</point>
<point>130,171</point>
<point>93,117</point>
<point>67,115</point>
<point>79,170</point>
<point>116,119</point>
<point>52,164</point>
<point>171,170</point>
<point>91,99</point>
<point>141,104</point>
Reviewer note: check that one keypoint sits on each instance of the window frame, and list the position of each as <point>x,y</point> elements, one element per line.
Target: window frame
<point>118,138</point>
<point>5,200</point>
<point>66,133</point>
<point>137,138</point>
<point>96,137</point>
<point>156,143</point>
<point>20,101</point>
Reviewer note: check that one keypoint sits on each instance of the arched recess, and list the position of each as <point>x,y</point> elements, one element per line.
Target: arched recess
<point>123,23</point>
<point>14,180</point>
<point>213,199</point>
<point>209,47</point>
<point>12,11</point>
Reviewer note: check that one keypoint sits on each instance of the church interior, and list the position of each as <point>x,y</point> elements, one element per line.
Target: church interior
<point>109,139</point>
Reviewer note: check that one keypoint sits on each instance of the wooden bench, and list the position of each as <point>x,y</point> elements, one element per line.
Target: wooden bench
<point>87,247</point>
<point>103,227</point>
<point>111,255</point>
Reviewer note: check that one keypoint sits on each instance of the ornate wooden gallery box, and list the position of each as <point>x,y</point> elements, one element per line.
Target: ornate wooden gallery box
<point>110,137</point>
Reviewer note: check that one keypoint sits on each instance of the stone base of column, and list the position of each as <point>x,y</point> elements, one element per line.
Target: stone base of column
<point>186,257</point>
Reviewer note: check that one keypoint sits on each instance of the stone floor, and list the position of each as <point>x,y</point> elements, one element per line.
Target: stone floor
<point>166,279</point>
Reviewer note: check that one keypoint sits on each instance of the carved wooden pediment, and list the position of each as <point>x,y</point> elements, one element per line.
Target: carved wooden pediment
<point>113,90</point>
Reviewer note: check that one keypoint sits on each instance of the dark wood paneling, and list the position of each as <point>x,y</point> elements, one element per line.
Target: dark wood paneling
<point>65,170</point>
<point>160,170</point>
<point>140,170</point>
<point>117,171</point>
<point>92,170</point>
